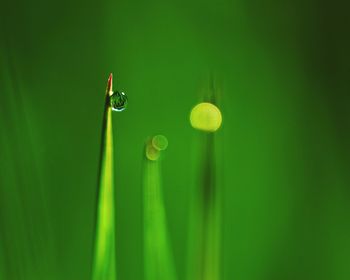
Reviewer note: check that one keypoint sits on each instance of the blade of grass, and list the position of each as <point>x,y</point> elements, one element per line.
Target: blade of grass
<point>158,259</point>
<point>204,239</point>
<point>104,264</point>
<point>210,206</point>
<point>205,218</point>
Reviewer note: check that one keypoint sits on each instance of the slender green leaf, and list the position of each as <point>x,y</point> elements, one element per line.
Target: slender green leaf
<point>158,258</point>
<point>104,265</point>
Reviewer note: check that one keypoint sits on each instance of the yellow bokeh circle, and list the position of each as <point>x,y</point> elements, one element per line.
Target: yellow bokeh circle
<point>206,116</point>
<point>152,153</point>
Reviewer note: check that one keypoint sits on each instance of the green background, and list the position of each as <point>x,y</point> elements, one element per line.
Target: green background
<point>283,149</point>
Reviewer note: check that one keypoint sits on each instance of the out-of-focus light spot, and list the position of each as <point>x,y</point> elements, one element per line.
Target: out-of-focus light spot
<point>151,152</point>
<point>206,116</point>
<point>160,142</point>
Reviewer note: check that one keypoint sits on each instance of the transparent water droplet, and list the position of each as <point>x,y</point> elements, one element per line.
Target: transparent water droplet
<point>118,101</point>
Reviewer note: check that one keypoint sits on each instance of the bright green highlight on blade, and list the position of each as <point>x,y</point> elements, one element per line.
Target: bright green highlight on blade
<point>104,264</point>
<point>158,259</point>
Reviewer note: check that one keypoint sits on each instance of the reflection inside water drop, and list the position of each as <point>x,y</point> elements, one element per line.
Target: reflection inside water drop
<point>118,101</point>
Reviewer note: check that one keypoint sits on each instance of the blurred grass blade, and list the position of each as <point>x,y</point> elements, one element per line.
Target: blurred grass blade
<point>104,264</point>
<point>204,239</point>
<point>158,259</point>
<point>205,220</point>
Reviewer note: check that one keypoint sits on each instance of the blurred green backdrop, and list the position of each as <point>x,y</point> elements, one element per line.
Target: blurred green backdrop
<point>283,153</point>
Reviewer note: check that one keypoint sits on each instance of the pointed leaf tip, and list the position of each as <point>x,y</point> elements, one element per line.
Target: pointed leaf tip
<point>110,83</point>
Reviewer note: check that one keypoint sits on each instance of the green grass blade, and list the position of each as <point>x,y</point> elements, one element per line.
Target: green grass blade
<point>204,236</point>
<point>158,258</point>
<point>104,264</point>
<point>205,219</point>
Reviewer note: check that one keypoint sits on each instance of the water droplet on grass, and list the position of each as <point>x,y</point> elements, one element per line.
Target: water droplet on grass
<point>118,101</point>
<point>206,117</point>
<point>160,142</point>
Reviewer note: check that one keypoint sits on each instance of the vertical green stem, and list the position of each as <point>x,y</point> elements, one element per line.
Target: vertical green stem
<point>104,264</point>
<point>158,261</point>
<point>204,240</point>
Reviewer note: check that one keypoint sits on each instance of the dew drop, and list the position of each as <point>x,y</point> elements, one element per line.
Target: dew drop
<point>206,117</point>
<point>118,101</point>
<point>160,142</point>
